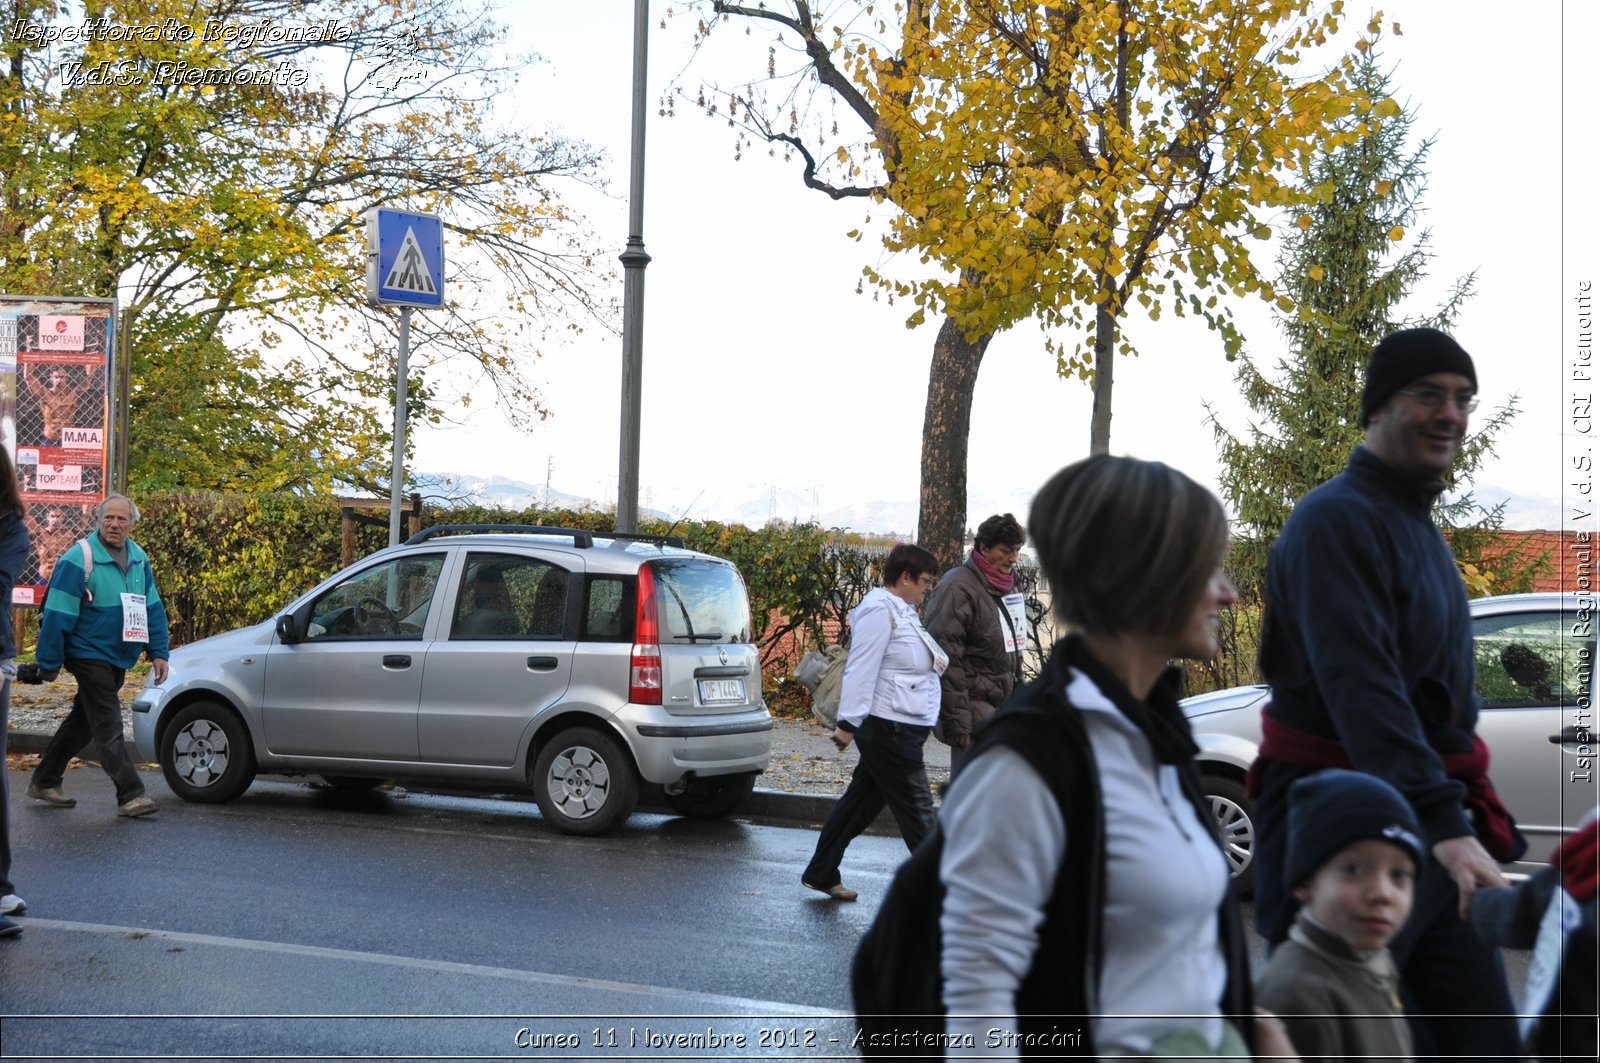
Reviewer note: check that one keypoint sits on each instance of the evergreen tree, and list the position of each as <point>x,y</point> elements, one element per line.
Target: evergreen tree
<point>1344,266</point>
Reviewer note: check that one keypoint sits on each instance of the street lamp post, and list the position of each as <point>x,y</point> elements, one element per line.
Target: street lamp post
<point>634,261</point>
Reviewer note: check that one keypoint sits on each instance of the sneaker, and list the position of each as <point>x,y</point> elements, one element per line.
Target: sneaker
<point>51,795</point>
<point>838,891</point>
<point>139,806</point>
<point>11,904</point>
<point>8,929</point>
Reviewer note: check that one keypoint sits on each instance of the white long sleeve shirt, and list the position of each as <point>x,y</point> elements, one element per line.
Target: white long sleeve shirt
<point>1005,839</point>
<point>891,671</point>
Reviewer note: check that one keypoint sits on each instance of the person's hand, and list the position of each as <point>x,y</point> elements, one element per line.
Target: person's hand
<point>1272,1039</point>
<point>158,668</point>
<point>1469,865</point>
<point>962,740</point>
<point>48,675</point>
<point>843,738</point>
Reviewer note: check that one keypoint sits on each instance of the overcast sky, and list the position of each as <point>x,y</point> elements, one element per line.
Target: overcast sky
<point>764,369</point>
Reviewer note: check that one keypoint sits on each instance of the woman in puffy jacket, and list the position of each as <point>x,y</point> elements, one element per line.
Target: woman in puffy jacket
<point>887,707</point>
<point>976,613</point>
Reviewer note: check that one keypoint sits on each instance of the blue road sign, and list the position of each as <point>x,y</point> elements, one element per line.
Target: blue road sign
<point>405,258</point>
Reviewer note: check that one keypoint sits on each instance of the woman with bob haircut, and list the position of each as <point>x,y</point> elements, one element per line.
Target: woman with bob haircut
<point>1082,870</point>
<point>888,703</point>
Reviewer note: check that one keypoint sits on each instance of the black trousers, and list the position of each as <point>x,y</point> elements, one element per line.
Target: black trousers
<point>890,772</point>
<point>5,797</point>
<point>96,714</point>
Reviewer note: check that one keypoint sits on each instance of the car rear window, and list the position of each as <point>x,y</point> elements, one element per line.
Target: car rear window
<point>700,601</point>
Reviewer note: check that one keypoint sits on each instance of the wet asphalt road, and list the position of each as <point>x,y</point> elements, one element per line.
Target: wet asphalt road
<point>298,922</point>
<point>307,908</point>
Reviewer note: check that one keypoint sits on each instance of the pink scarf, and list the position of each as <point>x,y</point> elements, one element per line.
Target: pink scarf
<point>1000,581</point>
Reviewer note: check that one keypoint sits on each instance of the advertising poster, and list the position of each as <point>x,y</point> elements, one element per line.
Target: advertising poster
<point>55,358</point>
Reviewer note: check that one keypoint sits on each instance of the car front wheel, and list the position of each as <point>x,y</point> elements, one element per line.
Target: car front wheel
<point>1231,809</point>
<point>713,797</point>
<point>584,782</point>
<point>206,754</point>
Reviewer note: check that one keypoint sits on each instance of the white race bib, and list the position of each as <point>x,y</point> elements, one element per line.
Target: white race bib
<point>1014,622</point>
<point>135,620</point>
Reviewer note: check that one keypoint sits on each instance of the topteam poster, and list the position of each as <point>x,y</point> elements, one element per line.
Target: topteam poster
<point>55,362</point>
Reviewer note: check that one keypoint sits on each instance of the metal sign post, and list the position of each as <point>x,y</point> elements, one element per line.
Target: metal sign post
<point>405,268</point>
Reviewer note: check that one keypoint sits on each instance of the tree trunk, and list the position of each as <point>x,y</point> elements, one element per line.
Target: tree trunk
<point>1105,351</point>
<point>946,424</point>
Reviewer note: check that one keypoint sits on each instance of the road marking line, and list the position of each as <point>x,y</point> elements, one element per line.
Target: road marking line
<point>767,1007</point>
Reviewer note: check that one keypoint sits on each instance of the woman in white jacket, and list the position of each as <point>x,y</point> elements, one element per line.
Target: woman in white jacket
<point>888,705</point>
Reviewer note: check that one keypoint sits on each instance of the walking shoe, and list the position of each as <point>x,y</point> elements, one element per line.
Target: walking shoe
<point>838,891</point>
<point>8,929</point>
<point>51,795</point>
<point>11,904</point>
<point>139,806</point>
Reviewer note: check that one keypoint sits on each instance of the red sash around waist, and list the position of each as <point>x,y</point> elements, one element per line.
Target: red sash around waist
<point>1490,821</point>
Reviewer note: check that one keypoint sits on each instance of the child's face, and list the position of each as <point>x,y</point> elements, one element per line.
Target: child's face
<point>1363,894</point>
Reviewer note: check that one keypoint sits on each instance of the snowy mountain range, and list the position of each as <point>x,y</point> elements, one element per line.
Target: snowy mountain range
<point>755,504</point>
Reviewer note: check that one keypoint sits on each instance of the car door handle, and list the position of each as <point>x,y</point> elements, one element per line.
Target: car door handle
<point>543,664</point>
<point>1572,736</point>
<point>397,660</point>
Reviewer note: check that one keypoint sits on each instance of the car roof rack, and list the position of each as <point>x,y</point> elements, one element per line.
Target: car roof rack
<point>581,539</point>
<point>643,537</point>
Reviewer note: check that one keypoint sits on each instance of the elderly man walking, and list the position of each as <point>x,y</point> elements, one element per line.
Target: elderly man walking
<point>1367,646</point>
<point>100,613</point>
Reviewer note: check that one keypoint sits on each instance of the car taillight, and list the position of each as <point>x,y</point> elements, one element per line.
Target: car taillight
<point>644,676</point>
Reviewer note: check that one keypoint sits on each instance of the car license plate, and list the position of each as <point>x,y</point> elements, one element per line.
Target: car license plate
<point>718,690</point>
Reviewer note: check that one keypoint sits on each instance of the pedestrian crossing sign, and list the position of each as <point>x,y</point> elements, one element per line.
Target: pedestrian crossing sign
<point>405,258</point>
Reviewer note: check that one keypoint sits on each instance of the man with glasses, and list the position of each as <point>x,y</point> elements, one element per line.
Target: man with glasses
<point>1367,645</point>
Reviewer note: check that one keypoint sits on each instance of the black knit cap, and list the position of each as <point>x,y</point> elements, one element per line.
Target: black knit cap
<point>1336,808</point>
<point>1406,355</point>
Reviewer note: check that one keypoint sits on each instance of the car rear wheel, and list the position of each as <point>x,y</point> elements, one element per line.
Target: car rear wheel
<point>713,797</point>
<point>1231,809</point>
<point>206,755</point>
<point>584,782</point>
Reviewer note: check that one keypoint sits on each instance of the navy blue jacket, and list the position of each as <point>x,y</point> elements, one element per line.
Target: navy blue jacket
<point>1367,637</point>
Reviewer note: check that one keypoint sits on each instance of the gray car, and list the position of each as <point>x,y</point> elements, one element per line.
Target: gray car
<point>513,659</point>
<point>1535,676</point>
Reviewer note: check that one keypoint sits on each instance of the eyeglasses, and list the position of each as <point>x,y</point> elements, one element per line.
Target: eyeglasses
<point>1433,399</point>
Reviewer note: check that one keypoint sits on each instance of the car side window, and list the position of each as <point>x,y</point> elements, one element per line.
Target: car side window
<point>1531,659</point>
<point>608,609</point>
<point>510,596</point>
<point>387,601</point>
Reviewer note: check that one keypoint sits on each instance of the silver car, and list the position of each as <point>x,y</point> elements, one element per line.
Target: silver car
<point>571,665</point>
<point>1535,676</point>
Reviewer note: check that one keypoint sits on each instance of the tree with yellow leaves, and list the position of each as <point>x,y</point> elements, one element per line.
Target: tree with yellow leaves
<point>209,163</point>
<point>1064,160</point>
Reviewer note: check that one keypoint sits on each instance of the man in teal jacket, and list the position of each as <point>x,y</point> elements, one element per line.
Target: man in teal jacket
<point>100,613</point>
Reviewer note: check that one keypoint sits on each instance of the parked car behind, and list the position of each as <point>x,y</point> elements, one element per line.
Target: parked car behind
<point>1535,676</point>
<point>547,660</point>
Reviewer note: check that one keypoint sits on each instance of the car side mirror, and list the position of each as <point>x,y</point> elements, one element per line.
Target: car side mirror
<point>288,630</point>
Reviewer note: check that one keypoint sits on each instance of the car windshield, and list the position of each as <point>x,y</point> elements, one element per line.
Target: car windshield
<point>699,601</point>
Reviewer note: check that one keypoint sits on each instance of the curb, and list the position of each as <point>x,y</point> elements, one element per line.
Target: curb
<point>776,807</point>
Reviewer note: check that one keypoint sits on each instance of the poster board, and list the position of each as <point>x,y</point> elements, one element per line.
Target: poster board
<point>55,374</point>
